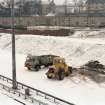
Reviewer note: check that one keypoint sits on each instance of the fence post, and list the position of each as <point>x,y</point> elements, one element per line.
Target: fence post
<point>37,93</point>
<point>54,100</point>
<point>45,97</point>
<point>32,100</point>
<point>25,97</point>
<point>19,94</point>
<point>22,86</point>
<point>27,92</point>
<point>9,90</point>
<point>3,86</point>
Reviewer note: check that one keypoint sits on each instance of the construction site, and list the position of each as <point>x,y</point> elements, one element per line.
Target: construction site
<point>52,52</point>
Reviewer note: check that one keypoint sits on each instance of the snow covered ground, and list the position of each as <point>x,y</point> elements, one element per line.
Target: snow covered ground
<point>90,33</point>
<point>5,100</point>
<point>78,89</point>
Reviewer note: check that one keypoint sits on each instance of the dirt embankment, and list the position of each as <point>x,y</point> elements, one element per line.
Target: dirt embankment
<point>60,32</point>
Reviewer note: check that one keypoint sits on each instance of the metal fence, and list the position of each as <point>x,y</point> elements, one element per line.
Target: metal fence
<point>38,92</point>
<point>66,21</point>
<point>20,94</point>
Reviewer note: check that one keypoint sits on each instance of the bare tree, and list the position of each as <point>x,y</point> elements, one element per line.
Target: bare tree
<point>6,4</point>
<point>20,4</point>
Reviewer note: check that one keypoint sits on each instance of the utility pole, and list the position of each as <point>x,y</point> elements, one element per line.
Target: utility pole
<point>75,6</point>
<point>88,12</point>
<point>65,7</point>
<point>13,48</point>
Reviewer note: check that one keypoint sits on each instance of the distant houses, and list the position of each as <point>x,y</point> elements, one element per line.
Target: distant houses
<point>64,10</point>
<point>95,6</point>
<point>4,10</point>
<point>89,6</point>
<point>30,8</point>
<point>46,8</point>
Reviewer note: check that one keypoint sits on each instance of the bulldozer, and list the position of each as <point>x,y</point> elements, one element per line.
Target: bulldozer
<point>59,69</point>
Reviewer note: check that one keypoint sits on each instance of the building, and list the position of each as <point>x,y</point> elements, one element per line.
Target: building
<point>95,6</point>
<point>64,9</point>
<point>35,7</point>
<point>48,7</point>
<point>68,7</point>
<point>5,10</point>
<point>29,7</point>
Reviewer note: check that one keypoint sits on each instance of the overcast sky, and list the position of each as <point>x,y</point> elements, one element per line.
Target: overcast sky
<point>57,1</point>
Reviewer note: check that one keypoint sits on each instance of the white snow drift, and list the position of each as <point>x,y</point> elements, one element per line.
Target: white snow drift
<point>76,89</point>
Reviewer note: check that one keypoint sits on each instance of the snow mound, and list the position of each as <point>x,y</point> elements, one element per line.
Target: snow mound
<point>50,14</point>
<point>76,88</point>
<point>75,51</point>
<point>89,34</point>
<point>5,100</point>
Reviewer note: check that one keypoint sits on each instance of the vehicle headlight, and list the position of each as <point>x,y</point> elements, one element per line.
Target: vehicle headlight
<point>27,58</point>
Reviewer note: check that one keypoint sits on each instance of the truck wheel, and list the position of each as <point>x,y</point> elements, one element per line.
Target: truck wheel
<point>46,65</point>
<point>49,77</point>
<point>70,69</point>
<point>67,74</point>
<point>37,68</point>
<point>28,68</point>
<point>61,74</point>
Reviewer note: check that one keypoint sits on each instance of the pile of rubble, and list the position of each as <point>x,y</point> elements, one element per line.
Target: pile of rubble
<point>94,66</point>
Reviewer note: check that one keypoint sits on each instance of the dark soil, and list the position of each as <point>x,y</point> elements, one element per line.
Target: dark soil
<point>60,32</point>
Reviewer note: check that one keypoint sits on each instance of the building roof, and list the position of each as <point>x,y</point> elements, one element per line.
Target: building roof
<point>45,2</point>
<point>95,1</point>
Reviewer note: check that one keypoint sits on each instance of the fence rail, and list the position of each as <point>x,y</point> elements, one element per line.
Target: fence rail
<point>65,21</point>
<point>46,95</point>
<point>20,94</point>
